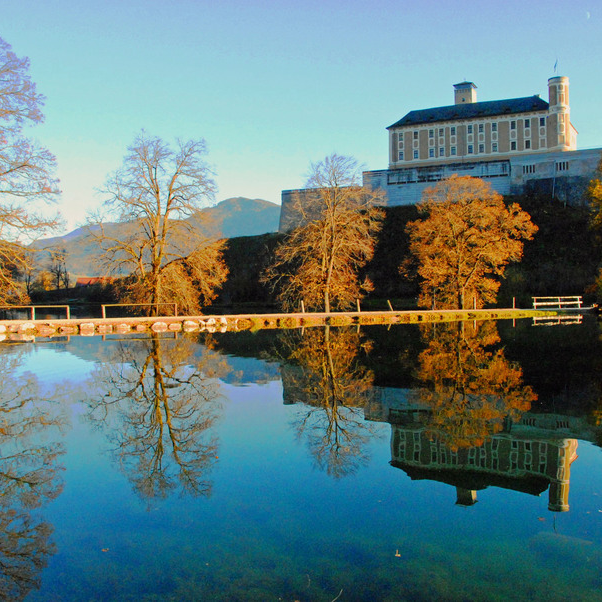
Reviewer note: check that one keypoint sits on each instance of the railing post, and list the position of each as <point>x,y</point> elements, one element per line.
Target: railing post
<point>33,312</point>
<point>358,306</point>
<point>175,309</point>
<point>68,312</point>
<point>302,307</point>
<point>103,311</point>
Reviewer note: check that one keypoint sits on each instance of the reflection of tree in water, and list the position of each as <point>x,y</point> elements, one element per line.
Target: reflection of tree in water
<point>159,402</point>
<point>327,377</point>
<point>29,477</point>
<point>469,385</point>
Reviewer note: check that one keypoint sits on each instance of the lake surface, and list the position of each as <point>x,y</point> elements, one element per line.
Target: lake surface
<point>417,462</point>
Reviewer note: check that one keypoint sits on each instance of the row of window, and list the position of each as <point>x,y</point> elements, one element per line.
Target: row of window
<point>453,151</point>
<point>470,149</point>
<point>439,455</point>
<point>470,128</point>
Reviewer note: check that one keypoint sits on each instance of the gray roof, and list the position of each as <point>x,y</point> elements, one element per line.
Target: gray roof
<point>473,110</point>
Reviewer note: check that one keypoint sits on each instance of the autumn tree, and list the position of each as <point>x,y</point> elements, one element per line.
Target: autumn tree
<point>468,385</point>
<point>26,174</point>
<point>319,260</point>
<point>324,375</point>
<point>465,242</point>
<point>156,197</point>
<point>594,195</point>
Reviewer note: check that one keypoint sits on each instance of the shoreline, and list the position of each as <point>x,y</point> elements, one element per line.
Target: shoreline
<point>28,329</point>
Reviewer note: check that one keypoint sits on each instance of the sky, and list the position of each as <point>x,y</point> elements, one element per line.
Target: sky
<point>274,85</point>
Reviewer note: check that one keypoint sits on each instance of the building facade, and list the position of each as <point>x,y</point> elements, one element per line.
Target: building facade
<point>518,145</point>
<point>475,131</point>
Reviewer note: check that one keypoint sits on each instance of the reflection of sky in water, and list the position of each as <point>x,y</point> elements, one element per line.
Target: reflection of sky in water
<point>277,526</point>
<point>53,365</point>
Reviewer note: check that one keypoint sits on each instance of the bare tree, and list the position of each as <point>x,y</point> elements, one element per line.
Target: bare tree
<point>319,260</point>
<point>58,268</point>
<point>159,408</point>
<point>30,476</point>
<point>153,196</point>
<point>26,173</point>
<point>325,376</point>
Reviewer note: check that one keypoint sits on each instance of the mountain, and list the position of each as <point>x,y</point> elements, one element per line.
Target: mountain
<point>245,217</point>
<point>230,218</point>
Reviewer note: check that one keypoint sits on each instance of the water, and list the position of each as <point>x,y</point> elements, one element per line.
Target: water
<point>449,462</point>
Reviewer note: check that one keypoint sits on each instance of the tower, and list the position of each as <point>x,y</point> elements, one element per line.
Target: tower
<point>465,92</point>
<point>559,132</point>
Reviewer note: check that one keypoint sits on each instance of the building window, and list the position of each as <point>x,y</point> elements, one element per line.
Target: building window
<point>415,135</point>
<point>481,148</point>
<point>415,154</point>
<point>542,122</point>
<point>480,128</point>
<point>562,165</point>
<point>469,130</point>
<point>513,145</point>
<point>441,132</point>
<point>494,126</point>
<point>527,124</point>
<point>494,147</point>
<point>528,169</point>
<point>527,144</point>
<point>452,130</point>
<point>452,150</point>
<point>470,149</point>
<point>442,151</point>
<point>513,125</point>
<point>431,133</point>
<point>400,157</point>
<point>431,152</point>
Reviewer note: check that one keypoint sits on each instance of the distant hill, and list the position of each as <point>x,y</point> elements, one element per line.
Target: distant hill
<point>230,218</point>
<point>245,217</point>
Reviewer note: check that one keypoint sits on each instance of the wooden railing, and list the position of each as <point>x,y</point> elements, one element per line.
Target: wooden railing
<point>574,302</point>
<point>32,309</point>
<point>567,319</point>
<point>104,310</point>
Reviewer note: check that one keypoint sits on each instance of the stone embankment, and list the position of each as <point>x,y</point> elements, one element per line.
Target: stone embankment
<point>23,330</point>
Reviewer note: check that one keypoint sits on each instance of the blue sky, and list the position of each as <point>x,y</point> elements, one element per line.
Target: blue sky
<point>274,85</point>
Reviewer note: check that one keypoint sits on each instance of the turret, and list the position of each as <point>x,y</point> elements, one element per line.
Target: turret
<point>560,135</point>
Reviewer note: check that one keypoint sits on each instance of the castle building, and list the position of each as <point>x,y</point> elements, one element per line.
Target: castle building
<point>518,145</point>
<point>531,455</point>
<point>473,131</point>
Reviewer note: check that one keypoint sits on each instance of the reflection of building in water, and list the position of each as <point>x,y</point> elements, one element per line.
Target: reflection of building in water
<point>530,456</point>
<point>527,465</point>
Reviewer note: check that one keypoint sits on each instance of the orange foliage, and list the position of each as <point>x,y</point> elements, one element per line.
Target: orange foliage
<point>469,385</point>
<point>465,242</point>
